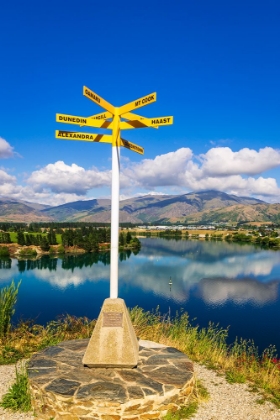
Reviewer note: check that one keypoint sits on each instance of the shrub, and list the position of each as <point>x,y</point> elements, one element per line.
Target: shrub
<point>27,252</point>
<point>18,397</point>
<point>8,299</point>
<point>61,249</point>
<point>4,251</point>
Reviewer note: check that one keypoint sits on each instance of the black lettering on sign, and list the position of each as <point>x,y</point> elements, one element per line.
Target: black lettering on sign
<point>157,121</point>
<point>92,95</point>
<point>100,117</point>
<point>78,136</point>
<point>75,120</point>
<point>148,99</point>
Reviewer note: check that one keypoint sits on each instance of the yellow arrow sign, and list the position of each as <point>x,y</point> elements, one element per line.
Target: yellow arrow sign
<point>138,103</point>
<point>160,121</point>
<point>132,146</point>
<point>126,125</point>
<point>136,121</point>
<point>141,122</point>
<point>98,100</point>
<point>74,119</point>
<point>101,116</point>
<point>71,135</point>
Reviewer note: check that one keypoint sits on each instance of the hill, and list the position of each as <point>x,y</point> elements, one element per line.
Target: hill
<point>21,211</point>
<point>200,207</point>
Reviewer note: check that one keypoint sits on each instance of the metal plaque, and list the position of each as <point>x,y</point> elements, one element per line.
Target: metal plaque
<point>112,319</point>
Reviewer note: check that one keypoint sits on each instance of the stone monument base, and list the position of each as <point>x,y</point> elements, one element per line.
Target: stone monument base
<point>62,388</point>
<point>113,342</point>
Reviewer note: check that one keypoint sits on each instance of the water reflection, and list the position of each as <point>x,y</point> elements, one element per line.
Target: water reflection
<point>225,283</point>
<point>68,262</point>
<point>217,291</point>
<point>217,271</point>
<point>5,263</point>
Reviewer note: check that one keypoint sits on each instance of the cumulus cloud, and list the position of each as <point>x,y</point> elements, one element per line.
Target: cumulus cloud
<point>164,170</point>
<point>6,150</point>
<point>222,161</point>
<point>70,179</point>
<point>219,169</point>
<point>5,178</point>
<point>180,171</point>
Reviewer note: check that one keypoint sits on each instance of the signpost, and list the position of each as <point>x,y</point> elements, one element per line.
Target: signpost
<point>113,342</point>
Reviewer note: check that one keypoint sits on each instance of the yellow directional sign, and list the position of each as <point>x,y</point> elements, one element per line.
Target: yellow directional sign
<point>74,119</point>
<point>135,121</point>
<point>101,116</point>
<point>98,100</point>
<point>138,103</point>
<point>141,122</point>
<point>71,135</point>
<point>126,125</point>
<point>160,121</point>
<point>132,146</point>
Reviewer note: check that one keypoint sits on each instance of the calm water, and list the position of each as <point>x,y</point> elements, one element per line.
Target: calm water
<point>225,283</point>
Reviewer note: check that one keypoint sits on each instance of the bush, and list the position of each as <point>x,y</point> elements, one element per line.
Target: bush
<point>18,397</point>
<point>4,251</point>
<point>61,249</point>
<point>27,252</point>
<point>8,299</point>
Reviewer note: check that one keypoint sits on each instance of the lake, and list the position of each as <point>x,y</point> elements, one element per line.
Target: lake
<point>230,284</point>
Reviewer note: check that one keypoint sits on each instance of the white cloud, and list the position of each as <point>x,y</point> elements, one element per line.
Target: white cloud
<point>222,161</point>
<point>71,179</point>
<point>164,170</point>
<point>174,172</point>
<point>5,178</point>
<point>6,150</point>
<point>219,169</point>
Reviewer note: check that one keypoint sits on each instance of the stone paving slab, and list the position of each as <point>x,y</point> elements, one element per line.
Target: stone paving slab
<point>62,388</point>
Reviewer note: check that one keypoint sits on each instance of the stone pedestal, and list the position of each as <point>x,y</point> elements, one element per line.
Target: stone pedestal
<point>63,389</point>
<point>113,342</point>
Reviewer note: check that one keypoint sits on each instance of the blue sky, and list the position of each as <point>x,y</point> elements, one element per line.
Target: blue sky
<point>215,66</point>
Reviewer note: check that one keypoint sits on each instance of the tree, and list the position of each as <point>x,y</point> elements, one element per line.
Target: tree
<point>128,237</point>
<point>45,246</point>
<point>20,238</point>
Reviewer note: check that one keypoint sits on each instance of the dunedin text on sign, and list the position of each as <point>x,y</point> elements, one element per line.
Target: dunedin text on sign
<point>74,119</point>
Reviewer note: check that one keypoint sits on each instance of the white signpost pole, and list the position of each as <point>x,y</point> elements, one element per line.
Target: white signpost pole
<point>113,342</point>
<point>115,197</point>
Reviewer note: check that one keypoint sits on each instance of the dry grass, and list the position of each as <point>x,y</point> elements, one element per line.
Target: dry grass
<point>239,362</point>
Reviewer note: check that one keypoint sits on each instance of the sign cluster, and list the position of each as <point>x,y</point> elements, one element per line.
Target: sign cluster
<point>118,117</point>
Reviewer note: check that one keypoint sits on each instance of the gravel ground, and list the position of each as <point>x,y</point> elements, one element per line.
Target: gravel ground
<point>226,402</point>
<point>231,401</point>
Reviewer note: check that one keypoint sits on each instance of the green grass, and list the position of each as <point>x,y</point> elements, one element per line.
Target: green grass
<point>13,236</point>
<point>239,362</point>
<point>18,397</point>
<point>184,412</point>
<point>27,338</point>
<point>8,299</point>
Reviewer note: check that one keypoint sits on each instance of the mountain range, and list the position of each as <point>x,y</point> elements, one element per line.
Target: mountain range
<point>199,207</point>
